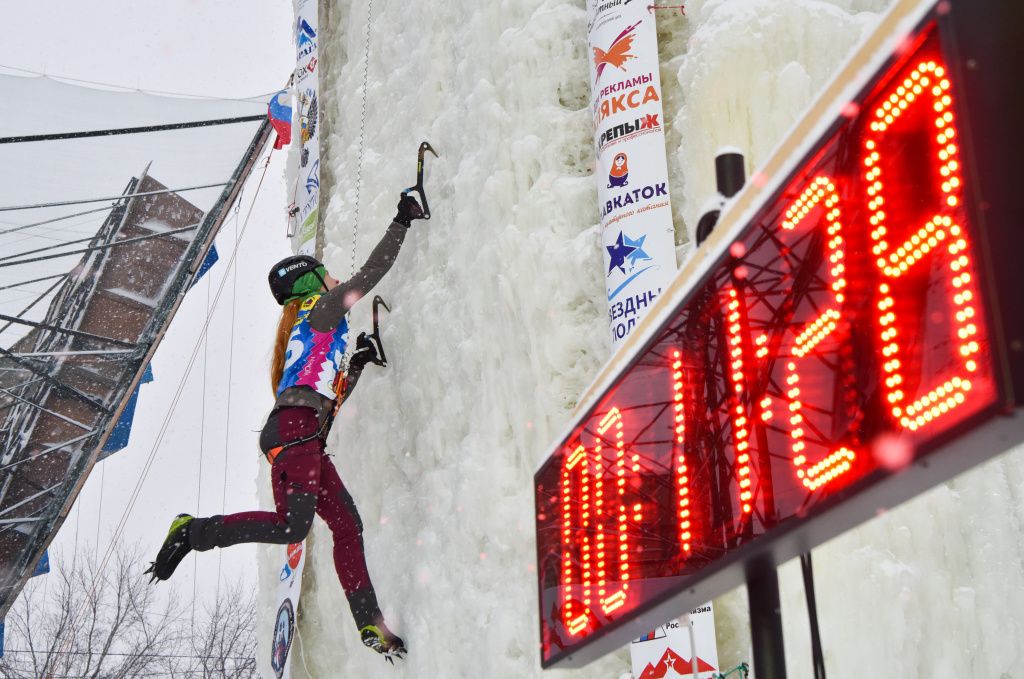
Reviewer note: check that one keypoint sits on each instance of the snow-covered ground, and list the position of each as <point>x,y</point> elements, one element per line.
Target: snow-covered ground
<point>498,323</point>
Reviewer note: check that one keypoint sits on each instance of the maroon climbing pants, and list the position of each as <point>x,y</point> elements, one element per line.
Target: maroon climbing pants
<point>305,483</point>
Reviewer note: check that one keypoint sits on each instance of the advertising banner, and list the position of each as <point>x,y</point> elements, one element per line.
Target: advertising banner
<point>288,591</point>
<point>307,88</point>
<point>666,651</point>
<point>632,170</point>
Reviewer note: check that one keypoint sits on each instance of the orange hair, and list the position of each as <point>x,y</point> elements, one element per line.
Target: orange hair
<point>284,328</point>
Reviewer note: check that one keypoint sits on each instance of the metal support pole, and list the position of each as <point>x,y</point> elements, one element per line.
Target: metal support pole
<point>44,491</point>
<point>817,655</point>
<point>54,413</point>
<point>766,622</point>
<point>91,400</point>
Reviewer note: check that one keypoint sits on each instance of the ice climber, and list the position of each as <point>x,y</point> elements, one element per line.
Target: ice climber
<point>309,385</point>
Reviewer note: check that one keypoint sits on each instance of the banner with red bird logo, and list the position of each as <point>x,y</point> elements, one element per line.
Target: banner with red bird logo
<point>632,169</point>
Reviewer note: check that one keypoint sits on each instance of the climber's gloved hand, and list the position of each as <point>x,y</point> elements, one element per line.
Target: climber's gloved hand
<point>408,210</point>
<point>366,352</point>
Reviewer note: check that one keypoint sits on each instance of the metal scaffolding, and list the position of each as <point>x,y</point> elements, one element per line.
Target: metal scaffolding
<point>65,382</point>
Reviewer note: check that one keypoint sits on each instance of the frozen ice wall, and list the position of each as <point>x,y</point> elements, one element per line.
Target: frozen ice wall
<point>498,324</point>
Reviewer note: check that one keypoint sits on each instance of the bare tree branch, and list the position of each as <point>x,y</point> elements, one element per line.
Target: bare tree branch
<point>114,625</point>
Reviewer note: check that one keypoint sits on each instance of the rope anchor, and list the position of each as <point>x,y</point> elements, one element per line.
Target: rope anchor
<point>681,8</point>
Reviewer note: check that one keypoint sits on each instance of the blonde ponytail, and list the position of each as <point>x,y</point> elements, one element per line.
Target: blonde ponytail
<point>284,329</point>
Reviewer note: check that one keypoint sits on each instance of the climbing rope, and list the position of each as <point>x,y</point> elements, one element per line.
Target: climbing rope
<point>202,441</point>
<point>362,136</point>
<point>227,405</point>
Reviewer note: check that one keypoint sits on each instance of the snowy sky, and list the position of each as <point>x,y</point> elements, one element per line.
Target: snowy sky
<point>222,48</point>
<point>231,49</point>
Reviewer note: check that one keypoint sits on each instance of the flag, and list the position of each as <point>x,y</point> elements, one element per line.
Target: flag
<point>43,567</point>
<point>280,113</point>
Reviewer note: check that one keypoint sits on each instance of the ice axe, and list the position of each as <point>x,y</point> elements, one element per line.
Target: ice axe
<point>377,303</point>
<point>424,147</point>
<point>373,339</point>
<point>369,349</point>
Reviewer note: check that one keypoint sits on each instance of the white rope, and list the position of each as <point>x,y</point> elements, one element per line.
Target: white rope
<point>202,440</point>
<point>302,651</point>
<point>227,407</point>
<point>362,135</point>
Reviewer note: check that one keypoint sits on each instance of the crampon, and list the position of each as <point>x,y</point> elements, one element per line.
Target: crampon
<point>380,639</point>
<point>174,549</point>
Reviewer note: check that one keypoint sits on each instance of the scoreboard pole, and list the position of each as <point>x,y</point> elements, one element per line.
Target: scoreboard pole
<point>766,621</point>
<point>763,601</point>
<point>762,578</point>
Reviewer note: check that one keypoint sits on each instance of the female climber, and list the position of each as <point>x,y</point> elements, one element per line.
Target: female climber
<point>309,386</point>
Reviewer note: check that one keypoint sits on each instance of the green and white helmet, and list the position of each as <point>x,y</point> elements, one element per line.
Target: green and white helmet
<point>296,277</point>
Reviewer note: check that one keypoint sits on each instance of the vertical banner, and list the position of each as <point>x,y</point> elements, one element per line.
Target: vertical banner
<point>288,591</point>
<point>632,170</point>
<point>666,651</point>
<point>307,90</point>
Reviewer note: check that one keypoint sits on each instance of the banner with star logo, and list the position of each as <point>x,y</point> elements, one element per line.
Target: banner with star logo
<point>666,652</point>
<point>632,169</point>
<point>307,88</point>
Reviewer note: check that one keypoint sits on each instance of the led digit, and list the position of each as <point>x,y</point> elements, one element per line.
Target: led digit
<point>587,530</point>
<point>574,621</point>
<point>617,598</point>
<point>738,381</point>
<point>809,336</point>
<point>682,473</point>
<point>940,234</point>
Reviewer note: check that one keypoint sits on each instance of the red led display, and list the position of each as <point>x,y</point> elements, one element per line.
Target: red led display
<point>845,324</point>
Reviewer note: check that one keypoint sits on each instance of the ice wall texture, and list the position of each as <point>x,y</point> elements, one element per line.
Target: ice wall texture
<point>498,324</point>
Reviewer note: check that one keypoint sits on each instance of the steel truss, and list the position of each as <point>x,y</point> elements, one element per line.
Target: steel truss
<point>65,382</point>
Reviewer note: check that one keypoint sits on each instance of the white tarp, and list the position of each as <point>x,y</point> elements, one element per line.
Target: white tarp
<point>43,172</point>
<point>632,170</point>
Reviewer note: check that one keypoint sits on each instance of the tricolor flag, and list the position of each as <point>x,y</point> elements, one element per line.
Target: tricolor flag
<point>280,113</point>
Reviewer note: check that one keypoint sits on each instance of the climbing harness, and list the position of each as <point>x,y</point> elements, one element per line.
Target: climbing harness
<point>418,188</point>
<point>320,433</point>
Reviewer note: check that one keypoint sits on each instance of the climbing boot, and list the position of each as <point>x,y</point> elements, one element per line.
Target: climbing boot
<point>174,549</point>
<point>379,638</point>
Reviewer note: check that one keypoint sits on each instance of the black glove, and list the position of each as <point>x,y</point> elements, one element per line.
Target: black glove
<point>366,352</point>
<point>408,210</point>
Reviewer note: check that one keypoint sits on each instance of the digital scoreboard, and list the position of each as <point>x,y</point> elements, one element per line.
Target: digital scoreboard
<point>853,339</point>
